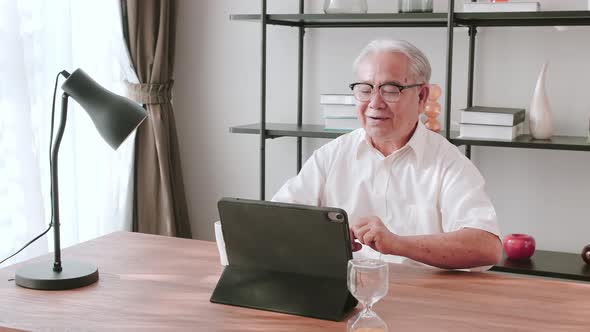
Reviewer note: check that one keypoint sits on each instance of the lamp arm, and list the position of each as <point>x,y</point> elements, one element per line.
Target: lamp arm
<point>55,184</point>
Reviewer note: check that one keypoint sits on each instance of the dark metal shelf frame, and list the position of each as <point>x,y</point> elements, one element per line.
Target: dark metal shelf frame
<point>543,263</point>
<point>571,143</point>
<point>351,20</point>
<point>275,130</point>
<point>548,264</point>
<point>518,19</point>
<point>543,18</point>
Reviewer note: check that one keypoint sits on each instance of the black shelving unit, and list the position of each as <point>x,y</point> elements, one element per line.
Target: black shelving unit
<point>274,130</point>
<point>572,143</point>
<point>543,263</point>
<point>546,18</point>
<point>548,264</point>
<point>351,20</point>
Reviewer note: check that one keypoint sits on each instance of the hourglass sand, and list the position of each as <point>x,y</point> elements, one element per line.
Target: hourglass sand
<point>368,281</point>
<point>432,109</point>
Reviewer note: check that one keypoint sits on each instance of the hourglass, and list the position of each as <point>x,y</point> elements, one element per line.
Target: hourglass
<point>368,281</point>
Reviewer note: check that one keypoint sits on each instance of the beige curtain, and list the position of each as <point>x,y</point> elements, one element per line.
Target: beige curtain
<point>159,202</point>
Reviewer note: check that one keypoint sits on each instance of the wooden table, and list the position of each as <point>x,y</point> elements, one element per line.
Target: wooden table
<point>162,283</point>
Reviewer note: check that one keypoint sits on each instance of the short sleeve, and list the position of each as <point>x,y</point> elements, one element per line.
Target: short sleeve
<point>308,186</point>
<point>464,202</point>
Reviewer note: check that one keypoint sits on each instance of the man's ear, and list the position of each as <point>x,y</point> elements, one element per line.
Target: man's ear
<point>423,94</point>
<point>423,97</point>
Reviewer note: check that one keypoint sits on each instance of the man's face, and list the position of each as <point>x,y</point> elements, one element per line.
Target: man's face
<point>385,121</point>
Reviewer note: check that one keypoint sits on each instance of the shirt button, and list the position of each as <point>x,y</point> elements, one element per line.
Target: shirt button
<point>382,178</point>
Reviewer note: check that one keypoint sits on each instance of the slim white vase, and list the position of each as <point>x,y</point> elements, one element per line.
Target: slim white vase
<point>540,119</point>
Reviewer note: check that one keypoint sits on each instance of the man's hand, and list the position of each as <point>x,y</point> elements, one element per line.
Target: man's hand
<point>371,232</point>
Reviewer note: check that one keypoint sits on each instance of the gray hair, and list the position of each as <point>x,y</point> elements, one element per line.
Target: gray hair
<point>419,65</point>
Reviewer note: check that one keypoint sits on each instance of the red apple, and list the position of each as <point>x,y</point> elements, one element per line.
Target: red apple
<point>519,246</point>
<point>586,254</point>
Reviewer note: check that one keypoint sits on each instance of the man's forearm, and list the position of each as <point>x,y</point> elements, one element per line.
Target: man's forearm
<point>461,249</point>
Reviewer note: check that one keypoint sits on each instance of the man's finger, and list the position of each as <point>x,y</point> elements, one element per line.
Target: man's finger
<point>359,232</point>
<point>370,239</point>
<point>353,244</point>
<point>360,223</point>
<point>356,246</point>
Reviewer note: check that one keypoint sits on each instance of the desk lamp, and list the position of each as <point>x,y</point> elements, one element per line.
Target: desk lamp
<point>115,117</point>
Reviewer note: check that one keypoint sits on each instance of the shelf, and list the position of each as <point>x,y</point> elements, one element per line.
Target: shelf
<point>274,130</point>
<point>542,18</point>
<point>572,143</point>
<point>548,264</point>
<point>543,263</point>
<point>351,20</point>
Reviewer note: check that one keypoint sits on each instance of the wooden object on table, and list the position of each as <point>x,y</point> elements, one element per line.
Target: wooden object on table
<point>432,108</point>
<point>163,283</point>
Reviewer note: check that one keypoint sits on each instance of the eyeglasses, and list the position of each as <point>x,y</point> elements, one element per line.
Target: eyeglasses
<point>390,92</point>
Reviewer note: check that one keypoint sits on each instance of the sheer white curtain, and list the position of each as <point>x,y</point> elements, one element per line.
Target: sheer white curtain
<point>39,39</point>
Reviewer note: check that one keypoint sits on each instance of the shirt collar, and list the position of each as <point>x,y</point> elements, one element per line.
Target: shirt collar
<point>417,143</point>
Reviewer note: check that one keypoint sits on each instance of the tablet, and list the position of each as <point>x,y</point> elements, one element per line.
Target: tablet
<point>285,257</point>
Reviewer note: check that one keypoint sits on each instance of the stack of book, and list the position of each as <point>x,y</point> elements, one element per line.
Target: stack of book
<point>339,112</point>
<point>491,122</point>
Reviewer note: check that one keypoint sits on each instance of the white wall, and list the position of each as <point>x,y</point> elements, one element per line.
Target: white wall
<point>543,193</point>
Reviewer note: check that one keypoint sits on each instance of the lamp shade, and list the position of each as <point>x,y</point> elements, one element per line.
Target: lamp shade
<point>114,116</point>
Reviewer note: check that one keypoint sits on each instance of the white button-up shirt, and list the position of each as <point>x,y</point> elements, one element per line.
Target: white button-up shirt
<point>426,187</point>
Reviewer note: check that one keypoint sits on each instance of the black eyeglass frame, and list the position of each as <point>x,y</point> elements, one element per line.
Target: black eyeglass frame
<point>399,86</point>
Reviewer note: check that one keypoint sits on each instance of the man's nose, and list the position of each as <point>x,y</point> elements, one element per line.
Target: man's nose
<point>376,101</point>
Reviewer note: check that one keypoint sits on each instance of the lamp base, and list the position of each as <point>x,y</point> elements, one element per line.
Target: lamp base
<point>42,276</point>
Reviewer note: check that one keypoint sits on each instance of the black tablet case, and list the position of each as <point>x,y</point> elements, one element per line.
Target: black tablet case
<point>285,257</point>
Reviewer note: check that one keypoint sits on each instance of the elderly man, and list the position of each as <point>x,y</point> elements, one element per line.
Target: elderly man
<point>410,195</point>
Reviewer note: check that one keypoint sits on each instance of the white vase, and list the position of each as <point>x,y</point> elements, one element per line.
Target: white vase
<point>540,119</point>
<point>345,6</point>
